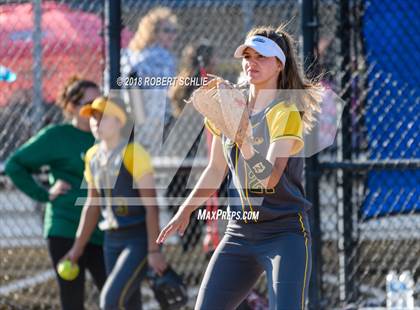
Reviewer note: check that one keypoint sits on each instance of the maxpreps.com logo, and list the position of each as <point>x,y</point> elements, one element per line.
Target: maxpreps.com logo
<point>258,40</point>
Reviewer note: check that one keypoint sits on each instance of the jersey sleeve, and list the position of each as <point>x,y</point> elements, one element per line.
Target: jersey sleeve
<point>137,161</point>
<point>213,129</point>
<point>88,171</point>
<point>285,122</point>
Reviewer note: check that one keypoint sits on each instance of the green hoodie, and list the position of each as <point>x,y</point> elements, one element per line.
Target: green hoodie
<point>62,148</point>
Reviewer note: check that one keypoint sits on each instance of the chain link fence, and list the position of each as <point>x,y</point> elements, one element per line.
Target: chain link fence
<point>70,43</point>
<point>368,185</point>
<point>367,182</point>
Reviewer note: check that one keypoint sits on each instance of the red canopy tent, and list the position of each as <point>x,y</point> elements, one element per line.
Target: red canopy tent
<point>71,44</point>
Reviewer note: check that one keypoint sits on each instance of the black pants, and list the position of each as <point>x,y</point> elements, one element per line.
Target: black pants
<point>72,292</point>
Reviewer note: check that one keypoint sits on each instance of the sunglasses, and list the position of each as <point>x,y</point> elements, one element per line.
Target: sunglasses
<point>169,30</point>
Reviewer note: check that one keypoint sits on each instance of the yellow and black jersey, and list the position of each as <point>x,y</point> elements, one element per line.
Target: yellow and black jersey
<point>114,176</point>
<point>277,121</point>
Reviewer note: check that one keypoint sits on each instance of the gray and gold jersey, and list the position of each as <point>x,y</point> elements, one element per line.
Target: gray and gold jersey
<point>114,176</point>
<point>287,199</point>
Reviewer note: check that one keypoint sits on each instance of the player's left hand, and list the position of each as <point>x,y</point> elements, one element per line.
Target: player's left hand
<point>157,261</point>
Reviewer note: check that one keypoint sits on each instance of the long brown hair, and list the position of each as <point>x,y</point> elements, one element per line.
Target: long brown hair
<point>148,27</point>
<point>292,76</point>
<point>72,92</point>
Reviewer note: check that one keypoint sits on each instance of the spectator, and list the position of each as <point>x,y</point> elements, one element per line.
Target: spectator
<point>149,56</point>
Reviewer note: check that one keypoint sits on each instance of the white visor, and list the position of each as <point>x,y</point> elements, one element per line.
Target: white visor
<point>263,46</point>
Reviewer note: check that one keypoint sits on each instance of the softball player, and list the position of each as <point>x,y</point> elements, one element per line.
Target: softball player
<point>112,168</point>
<point>279,241</point>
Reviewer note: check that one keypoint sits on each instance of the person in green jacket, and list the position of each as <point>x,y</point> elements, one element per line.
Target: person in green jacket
<point>62,148</point>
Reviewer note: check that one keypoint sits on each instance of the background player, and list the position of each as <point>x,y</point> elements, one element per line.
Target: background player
<point>121,185</point>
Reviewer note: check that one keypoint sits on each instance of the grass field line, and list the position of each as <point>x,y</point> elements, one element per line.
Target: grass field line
<point>27,282</point>
<point>49,274</point>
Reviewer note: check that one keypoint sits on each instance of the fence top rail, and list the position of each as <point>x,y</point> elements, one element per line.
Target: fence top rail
<point>159,162</point>
<point>388,164</point>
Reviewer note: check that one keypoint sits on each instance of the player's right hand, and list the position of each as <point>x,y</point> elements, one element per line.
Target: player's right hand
<point>60,187</point>
<point>73,255</point>
<point>178,224</point>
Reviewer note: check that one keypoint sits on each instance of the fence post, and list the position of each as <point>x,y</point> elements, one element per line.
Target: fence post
<point>37,67</point>
<point>344,176</point>
<point>113,45</point>
<point>309,24</point>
